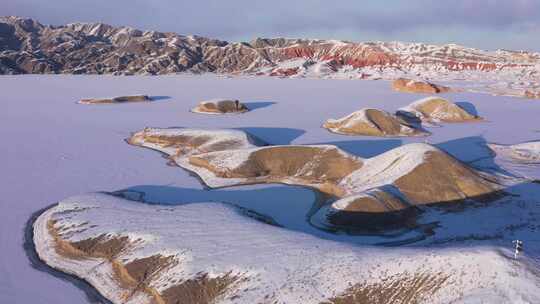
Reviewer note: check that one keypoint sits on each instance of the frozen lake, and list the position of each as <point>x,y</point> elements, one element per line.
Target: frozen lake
<point>54,148</point>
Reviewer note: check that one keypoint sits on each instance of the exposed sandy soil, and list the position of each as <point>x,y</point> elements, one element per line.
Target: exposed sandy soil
<point>119,99</point>
<point>402,289</point>
<point>98,247</point>
<point>321,167</point>
<point>200,290</point>
<point>373,122</point>
<point>415,86</point>
<point>220,107</point>
<point>441,178</point>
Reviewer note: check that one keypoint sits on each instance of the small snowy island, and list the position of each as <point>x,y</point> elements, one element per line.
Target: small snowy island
<point>220,106</point>
<point>119,99</point>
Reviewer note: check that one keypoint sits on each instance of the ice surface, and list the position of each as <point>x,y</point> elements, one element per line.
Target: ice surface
<point>54,149</point>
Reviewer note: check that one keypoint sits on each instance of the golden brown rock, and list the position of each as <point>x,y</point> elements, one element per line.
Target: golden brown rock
<point>321,167</point>
<point>443,179</point>
<point>416,86</point>
<point>436,109</point>
<point>373,122</point>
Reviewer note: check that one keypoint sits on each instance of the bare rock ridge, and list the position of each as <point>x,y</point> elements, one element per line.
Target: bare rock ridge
<point>373,122</point>
<point>419,174</point>
<point>436,109</point>
<point>27,46</point>
<point>220,106</point>
<point>119,99</point>
<point>417,86</point>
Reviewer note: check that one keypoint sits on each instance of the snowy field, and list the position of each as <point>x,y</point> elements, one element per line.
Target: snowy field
<point>54,148</point>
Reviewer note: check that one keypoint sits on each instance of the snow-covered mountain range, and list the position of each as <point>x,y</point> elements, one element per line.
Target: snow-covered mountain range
<point>26,46</point>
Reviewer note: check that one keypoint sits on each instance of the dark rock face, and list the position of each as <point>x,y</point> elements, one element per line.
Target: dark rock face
<point>26,46</point>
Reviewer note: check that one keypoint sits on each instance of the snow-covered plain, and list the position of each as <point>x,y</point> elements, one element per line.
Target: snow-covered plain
<point>54,148</point>
<point>523,157</point>
<point>280,266</point>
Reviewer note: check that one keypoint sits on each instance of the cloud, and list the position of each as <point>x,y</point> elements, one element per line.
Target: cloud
<point>479,23</point>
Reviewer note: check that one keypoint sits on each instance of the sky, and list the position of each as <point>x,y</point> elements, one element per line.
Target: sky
<point>486,24</point>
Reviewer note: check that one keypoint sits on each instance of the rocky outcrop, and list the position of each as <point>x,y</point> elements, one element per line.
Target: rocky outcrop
<point>220,106</point>
<point>94,48</point>
<point>373,122</point>
<point>119,99</point>
<point>532,94</point>
<point>418,86</point>
<point>436,109</point>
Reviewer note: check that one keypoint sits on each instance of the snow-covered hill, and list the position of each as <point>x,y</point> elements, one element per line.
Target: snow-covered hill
<point>213,253</point>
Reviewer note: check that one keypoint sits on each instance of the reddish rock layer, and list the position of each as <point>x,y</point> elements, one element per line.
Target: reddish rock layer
<point>416,86</point>
<point>94,48</point>
<point>532,94</point>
